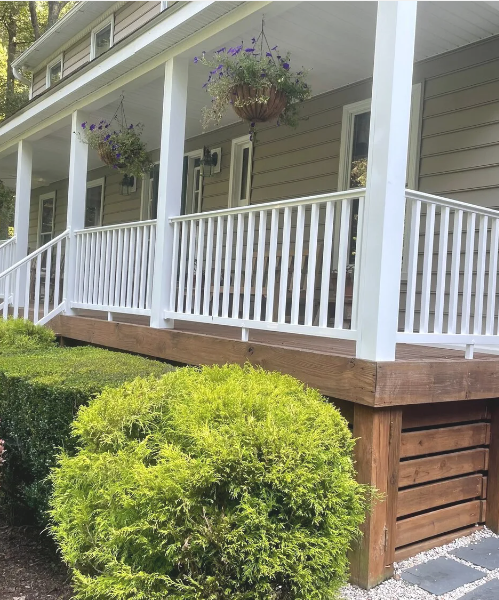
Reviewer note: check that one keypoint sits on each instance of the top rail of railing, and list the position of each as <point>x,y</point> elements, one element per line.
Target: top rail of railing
<point>113,227</point>
<point>455,204</point>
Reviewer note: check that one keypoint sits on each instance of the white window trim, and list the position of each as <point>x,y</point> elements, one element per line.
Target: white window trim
<point>241,142</point>
<point>145,199</point>
<point>96,183</point>
<point>189,210</point>
<point>51,64</point>
<point>97,29</point>
<point>52,196</point>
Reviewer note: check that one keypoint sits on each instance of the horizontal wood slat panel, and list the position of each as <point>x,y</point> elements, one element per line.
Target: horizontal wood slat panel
<point>422,470</point>
<point>416,443</point>
<point>441,540</point>
<point>439,414</point>
<point>424,497</point>
<point>438,521</point>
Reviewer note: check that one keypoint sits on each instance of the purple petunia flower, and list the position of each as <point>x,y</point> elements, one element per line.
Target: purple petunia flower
<point>221,50</point>
<point>131,126</point>
<point>285,66</point>
<point>100,127</point>
<point>92,127</point>
<point>107,137</point>
<point>118,155</point>
<point>274,48</point>
<point>269,54</point>
<point>196,59</point>
<point>83,125</point>
<point>253,40</point>
<point>249,50</point>
<point>263,74</point>
<point>205,84</point>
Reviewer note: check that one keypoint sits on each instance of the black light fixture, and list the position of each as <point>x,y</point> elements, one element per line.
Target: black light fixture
<point>209,162</point>
<point>127,185</point>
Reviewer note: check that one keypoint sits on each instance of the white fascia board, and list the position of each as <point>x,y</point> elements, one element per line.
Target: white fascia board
<point>61,101</point>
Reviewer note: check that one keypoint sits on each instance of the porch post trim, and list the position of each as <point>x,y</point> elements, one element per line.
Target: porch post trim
<point>169,185</point>
<point>23,198</point>
<point>77,192</point>
<point>382,235</point>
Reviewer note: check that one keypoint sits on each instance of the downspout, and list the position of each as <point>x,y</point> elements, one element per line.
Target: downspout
<point>20,77</point>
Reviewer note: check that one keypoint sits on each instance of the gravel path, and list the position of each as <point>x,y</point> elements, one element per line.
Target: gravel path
<point>398,589</point>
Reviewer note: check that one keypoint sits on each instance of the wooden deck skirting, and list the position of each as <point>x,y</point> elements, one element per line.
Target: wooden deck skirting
<point>436,467</point>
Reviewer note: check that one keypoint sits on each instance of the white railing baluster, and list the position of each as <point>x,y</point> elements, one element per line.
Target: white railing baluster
<point>218,267</point>
<point>457,233</point>
<point>6,297</point>
<point>208,268</point>
<point>312,263</point>
<point>137,265</point>
<point>441,269</point>
<point>199,267</point>
<point>326,264</point>
<point>189,290</point>
<point>80,265</point>
<point>283,282</point>
<point>412,264</point>
<point>297,270</point>
<point>119,267</point>
<point>175,264</point>
<point>260,261</point>
<point>468,273</point>
<point>107,269</point>
<point>491,290</point>
<point>248,268</point>
<point>57,281</point>
<point>37,287</point>
<point>274,233</point>
<point>17,285</point>
<point>46,291</point>
<point>102,267</point>
<point>150,268</point>
<point>427,268</point>
<point>342,263</point>
<point>183,263</point>
<point>236,295</point>
<point>125,266</point>
<point>228,266</point>
<point>27,289</point>
<point>143,267</point>
<point>357,262</point>
<point>480,275</point>
<point>91,272</point>
<point>131,257</point>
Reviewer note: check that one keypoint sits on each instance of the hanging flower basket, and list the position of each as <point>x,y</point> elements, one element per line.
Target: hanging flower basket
<point>108,155</point>
<point>258,105</point>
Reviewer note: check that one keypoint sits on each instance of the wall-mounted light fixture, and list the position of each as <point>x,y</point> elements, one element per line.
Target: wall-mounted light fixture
<point>128,185</point>
<point>210,162</point>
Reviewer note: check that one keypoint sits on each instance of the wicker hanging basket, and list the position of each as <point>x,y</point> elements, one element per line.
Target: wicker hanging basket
<point>259,112</point>
<point>108,155</point>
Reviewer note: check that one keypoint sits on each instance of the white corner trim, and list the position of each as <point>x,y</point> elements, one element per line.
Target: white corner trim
<point>59,58</point>
<point>102,25</point>
<point>347,121</point>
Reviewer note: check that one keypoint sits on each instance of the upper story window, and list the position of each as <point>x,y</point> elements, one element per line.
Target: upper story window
<point>102,38</point>
<point>54,71</point>
<point>240,171</point>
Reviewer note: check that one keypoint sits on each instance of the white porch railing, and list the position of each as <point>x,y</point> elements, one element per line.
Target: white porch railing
<point>7,252</point>
<point>451,293</point>
<point>281,266</point>
<point>114,268</point>
<point>36,282</point>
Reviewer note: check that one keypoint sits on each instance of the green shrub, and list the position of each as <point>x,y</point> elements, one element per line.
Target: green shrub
<point>220,483</point>
<point>40,393</point>
<point>18,335</point>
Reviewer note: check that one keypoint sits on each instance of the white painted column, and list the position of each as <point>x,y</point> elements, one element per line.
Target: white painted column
<point>382,235</point>
<point>22,208</point>
<point>169,185</point>
<point>77,191</point>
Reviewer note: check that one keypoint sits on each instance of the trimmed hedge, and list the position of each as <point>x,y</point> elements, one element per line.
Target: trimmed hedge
<point>41,388</point>
<point>220,483</point>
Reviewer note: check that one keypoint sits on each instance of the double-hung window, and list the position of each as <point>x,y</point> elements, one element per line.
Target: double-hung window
<point>240,171</point>
<point>54,71</point>
<point>102,38</point>
<point>46,218</point>
<point>94,203</point>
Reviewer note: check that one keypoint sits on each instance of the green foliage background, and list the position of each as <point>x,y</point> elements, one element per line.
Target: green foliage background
<point>220,483</point>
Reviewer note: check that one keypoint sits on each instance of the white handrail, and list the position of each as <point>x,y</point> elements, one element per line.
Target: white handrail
<point>34,254</point>
<point>457,204</point>
<point>4,243</point>
<point>116,226</point>
<point>308,200</point>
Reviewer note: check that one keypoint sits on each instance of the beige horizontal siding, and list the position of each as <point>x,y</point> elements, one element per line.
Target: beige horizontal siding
<point>39,82</point>
<point>132,16</point>
<point>76,56</point>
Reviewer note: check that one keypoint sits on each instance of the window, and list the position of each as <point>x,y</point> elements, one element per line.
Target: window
<point>94,203</point>
<point>149,208</point>
<point>46,218</point>
<point>240,172</point>
<point>102,38</point>
<point>192,193</point>
<point>354,150</point>
<point>54,71</point>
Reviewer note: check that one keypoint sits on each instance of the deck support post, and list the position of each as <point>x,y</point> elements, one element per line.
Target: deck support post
<point>383,224</point>
<point>169,185</point>
<point>377,455</point>
<point>77,192</point>
<point>492,510</point>
<point>22,208</point>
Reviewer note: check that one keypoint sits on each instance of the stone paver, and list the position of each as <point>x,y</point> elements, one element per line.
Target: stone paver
<point>487,591</point>
<point>484,553</point>
<point>441,575</point>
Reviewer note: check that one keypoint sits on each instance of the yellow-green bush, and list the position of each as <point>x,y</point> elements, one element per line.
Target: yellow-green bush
<point>41,388</point>
<point>220,483</point>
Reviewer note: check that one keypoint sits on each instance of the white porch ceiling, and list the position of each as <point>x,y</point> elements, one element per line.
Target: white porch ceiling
<point>333,39</point>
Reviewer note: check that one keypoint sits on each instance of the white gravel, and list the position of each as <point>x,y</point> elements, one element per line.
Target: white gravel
<point>397,589</point>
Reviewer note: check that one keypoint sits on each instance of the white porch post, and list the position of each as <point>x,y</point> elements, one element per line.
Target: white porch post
<point>22,208</point>
<point>77,190</point>
<point>169,185</point>
<point>382,236</point>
